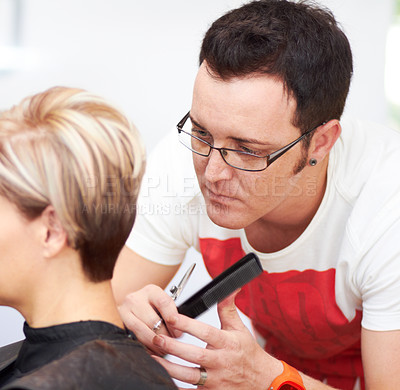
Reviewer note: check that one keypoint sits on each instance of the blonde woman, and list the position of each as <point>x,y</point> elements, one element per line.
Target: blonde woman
<point>70,171</point>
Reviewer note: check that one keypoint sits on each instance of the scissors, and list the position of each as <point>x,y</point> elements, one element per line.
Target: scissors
<point>176,291</point>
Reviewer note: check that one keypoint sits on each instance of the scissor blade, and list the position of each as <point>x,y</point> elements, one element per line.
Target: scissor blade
<point>181,285</point>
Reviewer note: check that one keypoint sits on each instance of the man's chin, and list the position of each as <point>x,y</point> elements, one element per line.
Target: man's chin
<point>224,216</point>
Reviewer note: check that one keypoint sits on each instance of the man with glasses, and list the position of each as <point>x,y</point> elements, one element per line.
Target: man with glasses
<point>200,142</point>
<point>280,174</point>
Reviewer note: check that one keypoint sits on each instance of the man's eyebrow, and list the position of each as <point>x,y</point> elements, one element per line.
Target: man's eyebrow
<point>237,139</point>
<point>197,124</point>
<point>250,141</point>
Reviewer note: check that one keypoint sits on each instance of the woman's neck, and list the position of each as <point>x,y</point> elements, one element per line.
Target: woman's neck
<point>76,300</point>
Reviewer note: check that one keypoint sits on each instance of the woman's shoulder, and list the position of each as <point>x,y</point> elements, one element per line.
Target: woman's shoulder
<point>99,364</point>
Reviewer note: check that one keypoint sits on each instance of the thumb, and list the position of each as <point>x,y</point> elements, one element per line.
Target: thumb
<point>228,314</point>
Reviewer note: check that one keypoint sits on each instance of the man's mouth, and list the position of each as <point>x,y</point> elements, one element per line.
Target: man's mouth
<point>219,196</point>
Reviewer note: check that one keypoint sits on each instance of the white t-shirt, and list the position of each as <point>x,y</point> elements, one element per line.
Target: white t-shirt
<point>341,273</point>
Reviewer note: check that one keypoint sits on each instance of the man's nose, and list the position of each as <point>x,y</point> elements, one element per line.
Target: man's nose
<point>217,169</point>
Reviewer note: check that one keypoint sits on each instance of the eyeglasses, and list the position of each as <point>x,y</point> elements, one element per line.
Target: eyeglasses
<point>200,142</point>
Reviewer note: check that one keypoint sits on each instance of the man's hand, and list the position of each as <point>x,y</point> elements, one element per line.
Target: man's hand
<point>142,309</point>
<point>232,358</point>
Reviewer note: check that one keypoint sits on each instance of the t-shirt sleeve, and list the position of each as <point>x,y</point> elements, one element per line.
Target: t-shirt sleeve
<point>378,273</point>
<point>164,229</point>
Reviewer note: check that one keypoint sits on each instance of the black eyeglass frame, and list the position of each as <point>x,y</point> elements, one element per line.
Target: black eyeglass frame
<point>269,157</point>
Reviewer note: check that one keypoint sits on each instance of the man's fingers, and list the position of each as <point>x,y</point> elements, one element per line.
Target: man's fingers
<point>204,332</point>
<point>182,373</point>
<point>143,333</point>
<point>164,306</point>
<point>149,304</point>
<point>191,353</point>
<point>228,315</point>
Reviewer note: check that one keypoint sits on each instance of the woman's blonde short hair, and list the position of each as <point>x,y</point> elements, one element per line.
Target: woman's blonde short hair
<point>70,149</point>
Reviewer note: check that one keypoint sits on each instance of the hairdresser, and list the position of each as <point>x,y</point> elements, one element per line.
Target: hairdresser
<point>282,174</point>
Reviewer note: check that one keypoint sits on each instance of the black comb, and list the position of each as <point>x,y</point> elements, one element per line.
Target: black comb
<point>236,276</point>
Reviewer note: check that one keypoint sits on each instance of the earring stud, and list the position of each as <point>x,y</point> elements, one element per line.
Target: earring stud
<point>313,162</point>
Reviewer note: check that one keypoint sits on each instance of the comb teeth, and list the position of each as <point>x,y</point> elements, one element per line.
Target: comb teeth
<point>231,283</point>
<point>236,276</point>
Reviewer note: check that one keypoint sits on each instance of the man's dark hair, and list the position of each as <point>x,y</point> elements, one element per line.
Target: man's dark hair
<point>299,43</point>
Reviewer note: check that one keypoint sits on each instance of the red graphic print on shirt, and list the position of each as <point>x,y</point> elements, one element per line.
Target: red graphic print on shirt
<point>297,315</point>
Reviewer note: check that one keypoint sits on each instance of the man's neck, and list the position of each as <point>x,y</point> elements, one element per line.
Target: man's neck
<point>283,226</point>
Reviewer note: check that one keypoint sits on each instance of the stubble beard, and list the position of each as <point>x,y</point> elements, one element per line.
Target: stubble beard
<point>302,163</point>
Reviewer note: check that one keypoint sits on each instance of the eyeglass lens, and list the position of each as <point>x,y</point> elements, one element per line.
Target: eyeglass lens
<point>199,142</point>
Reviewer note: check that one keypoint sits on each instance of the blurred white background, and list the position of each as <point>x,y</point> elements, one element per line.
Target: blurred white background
<point>142,55</point>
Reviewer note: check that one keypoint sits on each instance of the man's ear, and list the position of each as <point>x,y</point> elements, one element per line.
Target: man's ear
<point>54,237</point>
<point>324,138</point>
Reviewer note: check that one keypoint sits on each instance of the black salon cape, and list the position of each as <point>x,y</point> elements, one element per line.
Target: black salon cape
<point>83,355</point>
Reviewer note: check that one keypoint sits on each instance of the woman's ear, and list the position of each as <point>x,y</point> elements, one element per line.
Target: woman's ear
<point>324,138</point>
<point>54,237</point>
